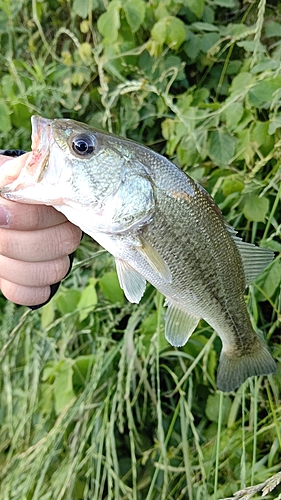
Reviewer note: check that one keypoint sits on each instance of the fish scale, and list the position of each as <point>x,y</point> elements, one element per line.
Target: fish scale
<point>161,227</point>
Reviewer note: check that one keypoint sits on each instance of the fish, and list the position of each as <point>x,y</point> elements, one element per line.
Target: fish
<point>160,225</point>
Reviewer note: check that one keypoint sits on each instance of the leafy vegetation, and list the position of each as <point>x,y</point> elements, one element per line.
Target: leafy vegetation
<point>94,403</point>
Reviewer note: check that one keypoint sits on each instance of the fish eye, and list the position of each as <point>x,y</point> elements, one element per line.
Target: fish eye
<point>83,145</point>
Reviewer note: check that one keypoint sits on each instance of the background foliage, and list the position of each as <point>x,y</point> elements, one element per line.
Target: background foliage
<point>94,403</point>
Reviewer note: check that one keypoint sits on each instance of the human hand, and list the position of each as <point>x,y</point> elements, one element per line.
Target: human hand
<point>35,246</point>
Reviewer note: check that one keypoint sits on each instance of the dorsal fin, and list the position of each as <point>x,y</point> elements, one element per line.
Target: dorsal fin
<point>254,259</point>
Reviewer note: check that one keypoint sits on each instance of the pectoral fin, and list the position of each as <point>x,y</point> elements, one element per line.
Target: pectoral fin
<point>130,281</point>
<point>180,325</point>
<point>155,260</point>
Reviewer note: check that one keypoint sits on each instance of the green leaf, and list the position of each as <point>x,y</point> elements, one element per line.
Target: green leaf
<point>63,387</point>
<point>229,4</point>
<point>48,314</point>
<point>196,6</point>
<point>231,185</point>
<point>274,124</point>
<point>88,299</point>
<point>212,408</point>
<point>261,94</point>
<point>255,208</point>
<point>81,369</point>
<point>261,137</point>
<point>200,26</point>
<point>273,29</point>
<point>5,120</point>
<point>232,115</point>
<point>110,287</point>
<point>20,116</point>
<point>135,13</point>
<point>240,83</point>
<point>109,22</point>
<point>81,7</point>
<point>67,301</point>
<point>169,30</point>
<point>222,147</point>
<point>269,281</point>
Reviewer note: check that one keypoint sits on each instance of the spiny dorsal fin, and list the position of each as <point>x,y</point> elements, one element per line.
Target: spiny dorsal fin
<point>155,260</point>
<point>254,259</point>
<point>179,325</point>
<point>131,282</point>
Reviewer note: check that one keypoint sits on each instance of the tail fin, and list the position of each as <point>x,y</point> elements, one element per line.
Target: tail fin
<point>233,369</point>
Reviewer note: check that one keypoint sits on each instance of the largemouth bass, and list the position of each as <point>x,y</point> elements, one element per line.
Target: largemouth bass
<point>161,227</point>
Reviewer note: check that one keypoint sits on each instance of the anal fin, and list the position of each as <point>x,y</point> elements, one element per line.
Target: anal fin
<point>180,324</point>
<point>131,282</point>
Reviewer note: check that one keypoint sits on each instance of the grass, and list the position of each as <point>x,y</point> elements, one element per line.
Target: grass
<point>95,404</point>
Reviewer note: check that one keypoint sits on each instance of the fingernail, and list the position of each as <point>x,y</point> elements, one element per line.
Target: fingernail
<point>4,217</point>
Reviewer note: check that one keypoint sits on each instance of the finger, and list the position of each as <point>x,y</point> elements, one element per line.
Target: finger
<point>24,295</point>
<point>3,158</point>
<point>55,286</point>
<point>28,217</point>
<point>34,273</point>
<point>41,245</point>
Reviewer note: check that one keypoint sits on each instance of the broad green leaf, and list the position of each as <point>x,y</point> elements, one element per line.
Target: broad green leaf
<point>273,29</point>
<point>67,300</point>
<point>84,363</point>
<point>231,185</point>
<point>48,314</point>
<point>233,114</point>
<point>270,279</point>
<point>81,369</point>
<point>20,116</point>
<point>208,40</point>
<point>169,30</point>
<point>5,120</point>
<point>261,137</point>
<point>109,22</point>
<point>196,7</point>
<point>255,208</point>
<point>81,7</point>
<point>212,408</point>
<point>110,287</point>
<point>135,13</point>
<point>240,83</point>
<point>274,124</point>
<point>261,94</point>
<point>63,386</point>
<point>222,147</point>
<point>228,4</point>
<point>88,299</point>
<point>200,26</point>
<point>251,46</point>
<point>176,33</point>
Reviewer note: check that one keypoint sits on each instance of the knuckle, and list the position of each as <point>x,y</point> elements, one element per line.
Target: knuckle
<point>24,295</point>
<point>70,237</point>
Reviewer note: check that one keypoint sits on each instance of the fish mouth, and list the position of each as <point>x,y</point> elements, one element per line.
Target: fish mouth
<point>29,169</point>
<point>41,143</point>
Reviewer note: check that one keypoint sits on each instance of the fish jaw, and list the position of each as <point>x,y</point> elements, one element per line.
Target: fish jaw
<point>38,177</point>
